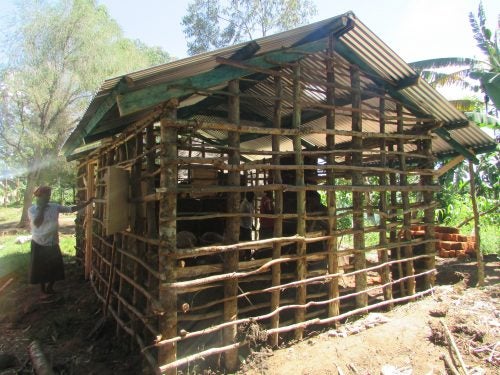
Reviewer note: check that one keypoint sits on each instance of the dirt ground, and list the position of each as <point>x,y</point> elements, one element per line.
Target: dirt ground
<point>410,339</point>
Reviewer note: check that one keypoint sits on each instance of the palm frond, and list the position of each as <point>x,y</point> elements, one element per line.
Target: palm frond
<point>477,31</point>
<point>481,15</point>
<point>464,105</point>
<point>458,78</point>
<point>443,62</point>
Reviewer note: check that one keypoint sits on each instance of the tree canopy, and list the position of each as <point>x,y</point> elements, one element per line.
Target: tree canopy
<point>59,52</point>
<point>213,24</point>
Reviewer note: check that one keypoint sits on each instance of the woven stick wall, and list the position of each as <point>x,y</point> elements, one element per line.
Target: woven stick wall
<point>180,281</point>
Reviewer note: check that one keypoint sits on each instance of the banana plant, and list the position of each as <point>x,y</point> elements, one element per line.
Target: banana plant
<point>467,73</point>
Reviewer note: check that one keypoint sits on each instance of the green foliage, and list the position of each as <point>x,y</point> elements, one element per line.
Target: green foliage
<point>59,52</point>
<point>490,241</point>
<point>213,24</point>
<point>466,72</point>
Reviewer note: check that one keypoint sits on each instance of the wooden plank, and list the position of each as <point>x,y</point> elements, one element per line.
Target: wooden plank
<point>451,164</point>
<point>116,213</point>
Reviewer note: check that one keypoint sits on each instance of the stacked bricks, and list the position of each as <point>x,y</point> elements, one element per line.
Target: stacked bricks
<point>450,242</point>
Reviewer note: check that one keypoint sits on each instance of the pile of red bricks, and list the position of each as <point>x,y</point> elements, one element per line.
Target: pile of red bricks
<point>451,243</point>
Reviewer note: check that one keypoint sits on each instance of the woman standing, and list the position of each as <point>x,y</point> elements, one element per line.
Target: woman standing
<point>46,265</point>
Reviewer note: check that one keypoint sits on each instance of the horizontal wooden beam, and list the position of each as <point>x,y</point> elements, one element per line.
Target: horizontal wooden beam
<point>134,101</point>
<point>451,164</point>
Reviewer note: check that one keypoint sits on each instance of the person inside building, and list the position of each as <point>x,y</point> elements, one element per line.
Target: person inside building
<point>266,227</point>
<point>246,225</point>
<point>46,263</point>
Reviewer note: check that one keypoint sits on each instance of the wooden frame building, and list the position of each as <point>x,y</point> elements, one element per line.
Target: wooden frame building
<point>326,119</point>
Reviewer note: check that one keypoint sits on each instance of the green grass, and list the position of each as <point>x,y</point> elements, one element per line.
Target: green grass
<point>490,238</point>
<point>15,257</point>
<point>10,214</point>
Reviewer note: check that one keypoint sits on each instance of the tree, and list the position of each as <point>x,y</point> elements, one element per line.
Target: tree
<point>213,24</point>
<point>59,53</point>
<point>471,73</point>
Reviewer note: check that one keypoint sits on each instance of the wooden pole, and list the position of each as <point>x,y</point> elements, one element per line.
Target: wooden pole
<point>137,220</point>
<point>232,233</point>
<point>110,279</point>
<point>394,238</point>
<point>121,262</point>
<point>278,209</point>
<point>357,197</point>
<point>403,181</point>
<point>385,274</point>
<point>477,233</point>
<point>332,259</point>
<point>151,216</point>
<point>428,197</point>
<point>168,235</point>
<point>40,364</point>
<point>88,219</point>
<point>301,201</point>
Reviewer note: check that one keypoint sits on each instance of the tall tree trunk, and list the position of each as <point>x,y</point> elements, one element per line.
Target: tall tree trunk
<point>31,182</point>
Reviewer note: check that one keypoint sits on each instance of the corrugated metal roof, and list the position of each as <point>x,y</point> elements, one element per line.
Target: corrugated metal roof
<point>470,135</point>
<point>382,69</point>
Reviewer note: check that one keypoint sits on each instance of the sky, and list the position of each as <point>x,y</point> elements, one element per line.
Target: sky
<point>414,29</point>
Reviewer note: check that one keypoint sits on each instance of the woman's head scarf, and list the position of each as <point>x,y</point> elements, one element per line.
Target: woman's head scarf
<point>42,194</point>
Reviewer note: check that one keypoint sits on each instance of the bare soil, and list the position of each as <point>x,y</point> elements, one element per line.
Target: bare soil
<point>409,339</point>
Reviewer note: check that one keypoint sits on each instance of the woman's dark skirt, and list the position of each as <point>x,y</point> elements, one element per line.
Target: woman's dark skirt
<point>46,264</point>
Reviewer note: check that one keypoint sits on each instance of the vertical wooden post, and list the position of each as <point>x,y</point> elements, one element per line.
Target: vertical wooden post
<point>151,217</point>
<point>119,261</point>
<point>301,201</point>
<point>168,235</point>
<point>278,209</point>
<point>137,222</point>
<point>384,254</point>
<point>358,197</point>
<point>109,160</point>
<point>332,259</point>
<point>403,182</point>
<point>88,219</point>
<point>396,250</point>
<point>232,231</point>
<point>428,196</point>
<point>477,234</point>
